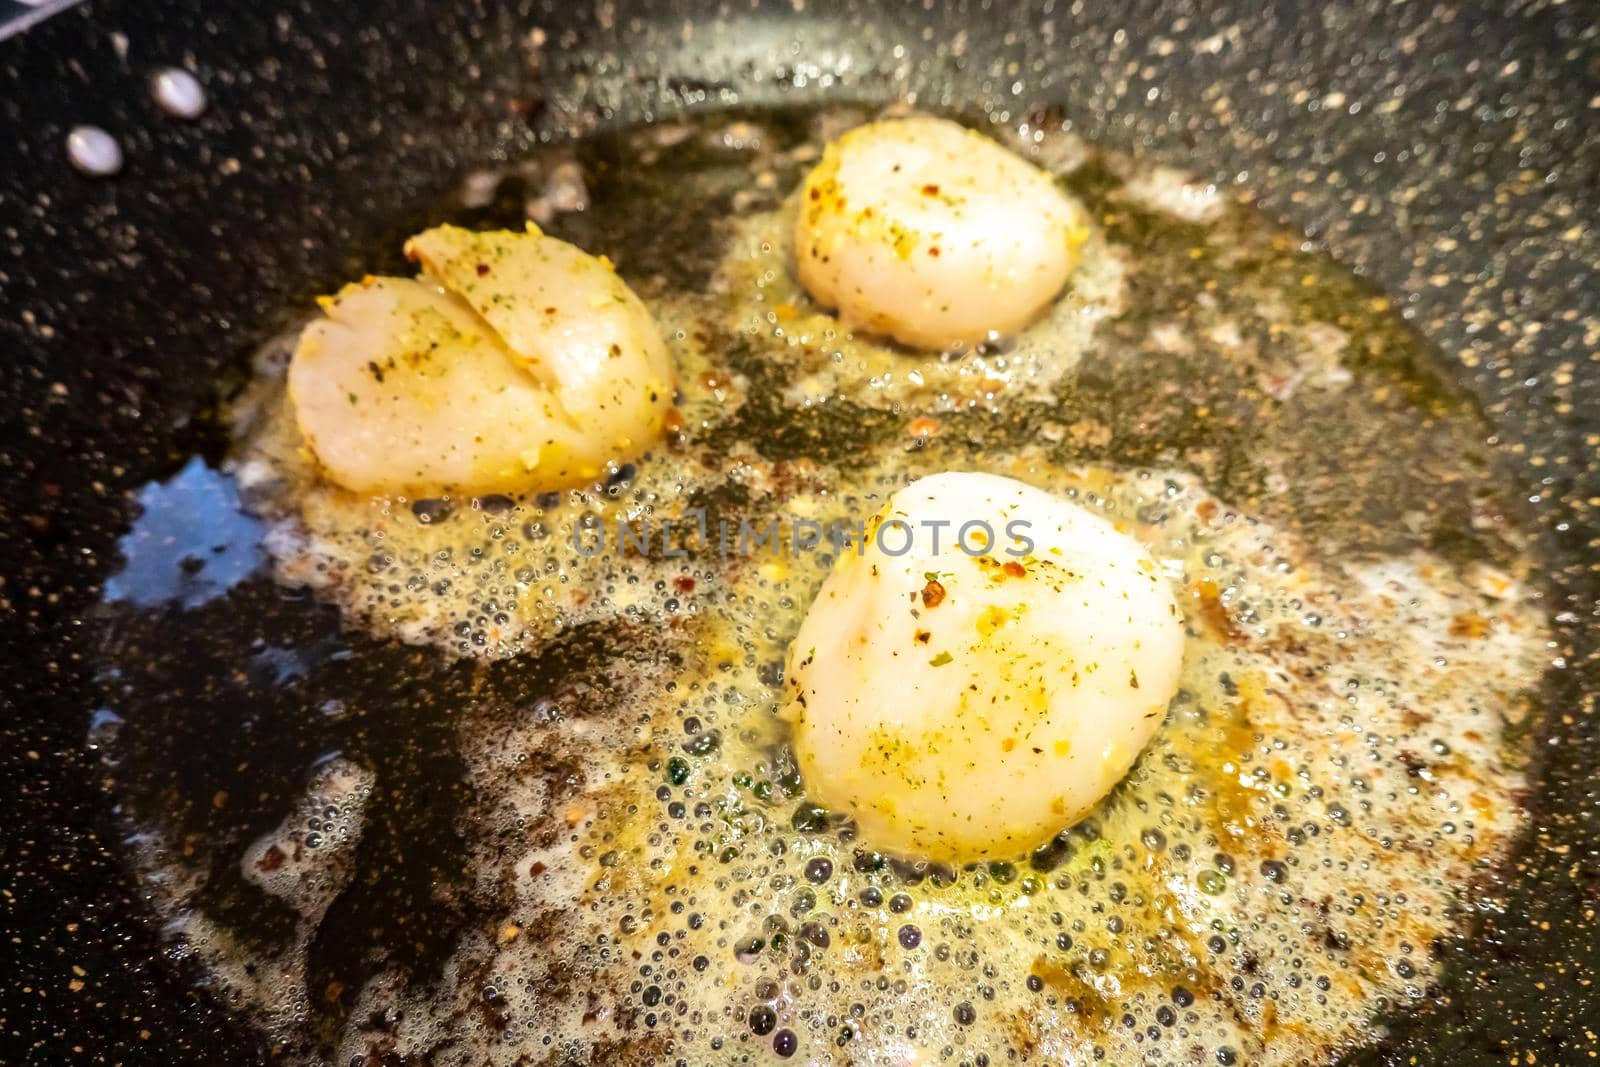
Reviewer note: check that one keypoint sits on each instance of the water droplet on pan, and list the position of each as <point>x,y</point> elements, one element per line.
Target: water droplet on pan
<point>178,93</point>
<point>94,151</point>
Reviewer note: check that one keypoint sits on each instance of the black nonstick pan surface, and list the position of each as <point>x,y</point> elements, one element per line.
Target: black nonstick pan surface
<point>1451,154</point>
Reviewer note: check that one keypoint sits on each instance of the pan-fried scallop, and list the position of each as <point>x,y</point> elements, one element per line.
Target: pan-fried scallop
<point>514,361</point>
<point>933,234</point>
<point>983,672</point>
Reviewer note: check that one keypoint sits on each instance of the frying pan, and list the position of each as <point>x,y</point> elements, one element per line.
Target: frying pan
<point>1450,154</point>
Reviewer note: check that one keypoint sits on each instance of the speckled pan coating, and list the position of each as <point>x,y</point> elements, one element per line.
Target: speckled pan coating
<point>1449,153</point>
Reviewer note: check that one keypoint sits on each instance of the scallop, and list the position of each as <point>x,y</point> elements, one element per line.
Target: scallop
<point>515,361</point>
<point>933,234</point>
<point>985,669</point>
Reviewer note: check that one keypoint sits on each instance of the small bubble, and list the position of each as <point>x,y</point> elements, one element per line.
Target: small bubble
<point>431,510</point>
<point>819,870</point>
<point>809,818</point>
<point>703,744</point>
<point>677,770</point>
<point>785,1043</point>
<point>866,862</point>
<point>816,934</point>
<point>910,936</point>
<point>909,873</point>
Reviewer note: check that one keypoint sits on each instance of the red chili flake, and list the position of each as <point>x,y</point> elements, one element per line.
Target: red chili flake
<point>483,268</point>
<point>930,189</point>
<point>1014,569</point>
<point>271,859</point>
<point>932,594</point>
<point>683,583</point>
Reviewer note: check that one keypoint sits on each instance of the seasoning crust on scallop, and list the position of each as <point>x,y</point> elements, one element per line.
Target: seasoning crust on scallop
<point>513,361</point>
<point>983,671</point>
<point>933,234</point>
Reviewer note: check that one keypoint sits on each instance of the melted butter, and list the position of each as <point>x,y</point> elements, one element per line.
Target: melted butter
<point>1222,836</point>
<point>1335,773</point>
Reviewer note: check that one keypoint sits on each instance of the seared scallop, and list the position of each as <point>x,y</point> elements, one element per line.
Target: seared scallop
<point>933,234</point>
<point>514,361</point>
<point>983,671</point>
